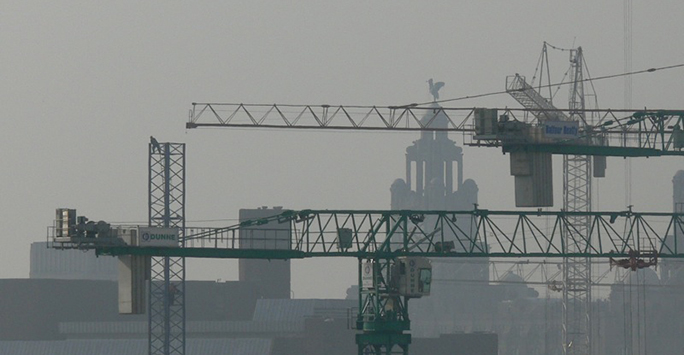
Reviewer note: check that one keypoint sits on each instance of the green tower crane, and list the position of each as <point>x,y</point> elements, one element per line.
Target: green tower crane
<point>391,246</point>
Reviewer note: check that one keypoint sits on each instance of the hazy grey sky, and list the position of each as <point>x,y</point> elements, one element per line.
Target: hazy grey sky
<point>86,83</point>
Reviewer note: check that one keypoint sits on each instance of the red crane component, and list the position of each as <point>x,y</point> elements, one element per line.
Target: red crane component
<point>635,261</point>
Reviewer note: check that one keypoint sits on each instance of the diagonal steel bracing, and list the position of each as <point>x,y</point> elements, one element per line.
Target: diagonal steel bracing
<point>166,332</point>
<point>576,313</point>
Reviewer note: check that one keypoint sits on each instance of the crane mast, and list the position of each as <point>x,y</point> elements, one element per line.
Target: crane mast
<point>166,209</point>
<point>577,174</point>
<point>577,198</point>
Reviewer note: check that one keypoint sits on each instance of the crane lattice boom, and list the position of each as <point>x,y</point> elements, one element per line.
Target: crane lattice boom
<point>390,234</point>
<point>624,133</point>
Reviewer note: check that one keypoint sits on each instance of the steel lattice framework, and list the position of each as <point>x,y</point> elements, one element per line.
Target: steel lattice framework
<point>615,133</point>
<point>379,238</point>
<point>166,294</point>
<point>624,133</point>
<point>577,270</point>
<point>526,95</point>
<point>383,314</point>
<point>577,198</point>
<point>390,234</point>
<point>577,173</point>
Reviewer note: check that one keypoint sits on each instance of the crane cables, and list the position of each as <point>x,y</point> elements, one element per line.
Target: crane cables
<point>650,70</point>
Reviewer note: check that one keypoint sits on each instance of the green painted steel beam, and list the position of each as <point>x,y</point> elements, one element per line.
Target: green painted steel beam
<point>212,253</point>
<point>383,339</point>
<point>386,234</point>
<point>217,253</point>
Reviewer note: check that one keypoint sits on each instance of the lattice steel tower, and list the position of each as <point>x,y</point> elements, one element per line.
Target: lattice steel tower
<point>577,198</point>
<point>167,276</point>
<point>577,174</point>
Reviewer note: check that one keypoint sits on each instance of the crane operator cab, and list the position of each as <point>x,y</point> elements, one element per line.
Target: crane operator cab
<point>412,276</point>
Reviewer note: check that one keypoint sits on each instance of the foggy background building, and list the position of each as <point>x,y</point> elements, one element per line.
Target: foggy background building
<point>270,277</point>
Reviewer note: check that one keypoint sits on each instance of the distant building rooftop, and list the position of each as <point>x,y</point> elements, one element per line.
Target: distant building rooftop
<point>133,347</point>
<point>72,264</point>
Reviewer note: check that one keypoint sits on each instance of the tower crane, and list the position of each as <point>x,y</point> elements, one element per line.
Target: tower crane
<point>577,191</point>
<point>390,245</point>
<point>530,135</point>
<point>616,133</point>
